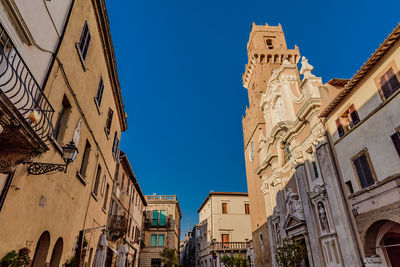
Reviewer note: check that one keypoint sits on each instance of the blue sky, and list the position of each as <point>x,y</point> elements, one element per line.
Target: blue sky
<point>180,65</point>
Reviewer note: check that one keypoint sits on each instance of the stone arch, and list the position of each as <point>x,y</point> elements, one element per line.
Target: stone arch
<point>57,252</point>
<point>376,233</point>
<point>42,248</point>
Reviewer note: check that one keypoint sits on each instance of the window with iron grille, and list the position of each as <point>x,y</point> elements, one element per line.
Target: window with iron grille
<point>99,94</point>
<point>84,41</point>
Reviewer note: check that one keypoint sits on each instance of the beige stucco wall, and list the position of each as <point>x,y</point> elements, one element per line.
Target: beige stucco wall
<point>61,203</point>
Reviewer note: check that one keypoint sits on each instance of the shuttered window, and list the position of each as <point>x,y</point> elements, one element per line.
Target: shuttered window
<point>97,181</point>
<point>389,83</point>
<point>85,160</point>
<point>246,208</point>
<point>115,149</point>
<point>224,208</point>
<point>84,41</point>
<point>161,240</point>
<point>353,115</point>
<point>339,127</point>
<point>396,141</point>
<point>100,90</point>
<point>155,217</point>
<point>162,217</point>
<point>153,241</point>
<point>364,171</point>
<point>107,128</point>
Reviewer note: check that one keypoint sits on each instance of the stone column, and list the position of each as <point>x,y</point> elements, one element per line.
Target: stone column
<point>337,206</point>
<point>301,178</point>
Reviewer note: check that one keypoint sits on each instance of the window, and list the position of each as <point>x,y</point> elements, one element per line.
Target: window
<point>349,187</point>
<point>162,217</point>
<point>107,128</point>
<point>261,239</point>
<point>103,184</point>
<point>84,42</point>
<point>85,160</point>
<point>396,141</point>
<point>286,152</point>
<point>153,241</point>
<point>99,94</point>
<point>155,262</point>
<point>106,197</point>
<point>269,44</point>
<point>225,239</point>
<point>137,233</point>
<point>128,184</point>
<point>62,120</point>
<point>155,217</point>
<point>389,83</point>
<point>224,208</point>
<point>313,165</point>
<point>122,181</point>
<point>115,149</point>
<point>363,170</point>
<point>247,208</point>
<point>129,226</point>
<point>347,120</point>
<point>97,180</point>
<point>161,239</point>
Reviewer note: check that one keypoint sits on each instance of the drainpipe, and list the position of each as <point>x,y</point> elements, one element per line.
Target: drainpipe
<point>353,231</point>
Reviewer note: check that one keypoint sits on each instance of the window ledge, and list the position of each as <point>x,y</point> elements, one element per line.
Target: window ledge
<point>80,177</point>
<point>97,105</point>
<point>94,196</point>
<point>80,56</point>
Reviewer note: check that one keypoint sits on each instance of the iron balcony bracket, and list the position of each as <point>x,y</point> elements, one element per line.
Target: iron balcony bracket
<point>37,168</point>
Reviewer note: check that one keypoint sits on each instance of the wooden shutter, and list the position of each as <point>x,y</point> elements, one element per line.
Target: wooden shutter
<point>339,127</point>
<point>246,208</point>
<point>161,239</point>
<point>364,171</point>
<point>396,141</point>
<point>100,90</point>
<point>115,149</point>
<point>224,208</point>
<point>97,180</point>
<point>162,217</point>
<point>155,217</point>
<point>109,120</point>
<point>84,41</point>
<point>389,83</point>
<point>85,159</point>
<point>354,115</point>
<point>153,241</point>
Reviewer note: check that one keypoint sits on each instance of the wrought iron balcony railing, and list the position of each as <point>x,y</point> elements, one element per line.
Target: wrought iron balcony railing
<point>23,91</point>
<point>230,245</point>
<point>118,223</point>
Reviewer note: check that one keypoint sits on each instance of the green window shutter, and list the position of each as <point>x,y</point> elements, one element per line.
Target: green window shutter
<point>161,240</point>
<point>155,217</point>
<point>153,242</point>
<point>162,217</point>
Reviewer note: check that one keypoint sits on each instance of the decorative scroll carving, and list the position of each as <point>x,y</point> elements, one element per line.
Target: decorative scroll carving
<point>306,68</point>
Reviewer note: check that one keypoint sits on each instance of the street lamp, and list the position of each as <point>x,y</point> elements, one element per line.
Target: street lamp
<point>69,154</point>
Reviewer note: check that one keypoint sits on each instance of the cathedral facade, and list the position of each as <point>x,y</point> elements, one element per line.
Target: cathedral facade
<point>294,189</point>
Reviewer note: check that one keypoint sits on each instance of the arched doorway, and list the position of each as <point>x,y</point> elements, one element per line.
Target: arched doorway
<point>382,240</point>
<point>42,247</point>
<point>57,252</point>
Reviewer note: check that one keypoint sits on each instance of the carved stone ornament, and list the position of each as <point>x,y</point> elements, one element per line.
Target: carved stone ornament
<point>297,157</point>
<point>293,203</point>
<point>261,138</point>
<point>318,192</point>
<point>265,188</point>
<point>306,68</point>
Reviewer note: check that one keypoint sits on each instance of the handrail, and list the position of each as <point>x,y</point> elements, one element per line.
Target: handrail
<point>230,245</point>
<point>23,91</point>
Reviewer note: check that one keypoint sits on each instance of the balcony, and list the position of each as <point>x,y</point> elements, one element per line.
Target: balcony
<point>118,227</point>
<point>230,246</point>
<point>161,197</point>
<point>149,222</point>
<point>25,112</point>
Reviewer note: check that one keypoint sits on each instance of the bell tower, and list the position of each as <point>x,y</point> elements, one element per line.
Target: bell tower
<point>266,50</point>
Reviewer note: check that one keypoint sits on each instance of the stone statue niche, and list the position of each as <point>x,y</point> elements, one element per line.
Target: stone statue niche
<point>323,217</point>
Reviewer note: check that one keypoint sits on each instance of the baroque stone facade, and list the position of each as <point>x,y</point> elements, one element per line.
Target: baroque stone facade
<point>294,164</point>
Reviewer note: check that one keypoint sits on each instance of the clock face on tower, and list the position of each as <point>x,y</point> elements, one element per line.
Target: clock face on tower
<point>251,151</point>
